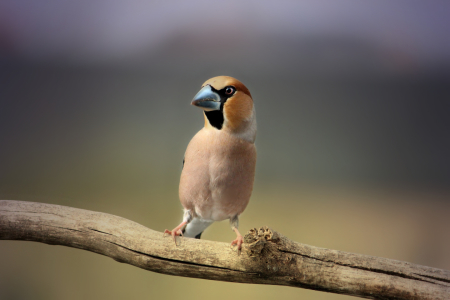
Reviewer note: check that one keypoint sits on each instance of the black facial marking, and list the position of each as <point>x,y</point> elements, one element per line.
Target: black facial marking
<point>215,117</point>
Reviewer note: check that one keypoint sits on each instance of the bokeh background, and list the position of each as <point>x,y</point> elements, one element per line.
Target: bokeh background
<point>352,102</point>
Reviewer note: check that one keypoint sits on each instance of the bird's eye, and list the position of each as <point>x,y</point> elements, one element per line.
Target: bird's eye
<point>229,90</point>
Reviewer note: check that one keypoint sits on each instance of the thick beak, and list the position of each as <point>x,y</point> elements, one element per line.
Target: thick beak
<point>207,99</point>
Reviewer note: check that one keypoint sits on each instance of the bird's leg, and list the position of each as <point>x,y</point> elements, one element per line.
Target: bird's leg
<point>178,230</point>
<point>234,222</point>
<point>239,239</point>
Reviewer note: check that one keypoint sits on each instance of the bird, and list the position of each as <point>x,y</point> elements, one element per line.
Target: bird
<point>219,163</point>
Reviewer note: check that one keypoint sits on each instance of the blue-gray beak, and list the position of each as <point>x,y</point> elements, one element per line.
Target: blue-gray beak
<point>207,99</point>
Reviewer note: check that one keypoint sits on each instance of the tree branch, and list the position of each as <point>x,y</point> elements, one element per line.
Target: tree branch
<point>267,257</point>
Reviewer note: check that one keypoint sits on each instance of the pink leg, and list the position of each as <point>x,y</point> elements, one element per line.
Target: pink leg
<point>239,240</point>
<point>176,231</point>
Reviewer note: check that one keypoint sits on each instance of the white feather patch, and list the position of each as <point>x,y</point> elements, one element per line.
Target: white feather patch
<point>195,227</point>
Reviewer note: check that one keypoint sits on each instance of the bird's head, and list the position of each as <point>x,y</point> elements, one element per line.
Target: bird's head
<point>228,105</point>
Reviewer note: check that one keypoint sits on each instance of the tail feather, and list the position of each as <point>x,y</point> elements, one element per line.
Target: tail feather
<point>195,228</point>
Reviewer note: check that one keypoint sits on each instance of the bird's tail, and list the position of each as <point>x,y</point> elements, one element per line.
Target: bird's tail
<point>194,229</point>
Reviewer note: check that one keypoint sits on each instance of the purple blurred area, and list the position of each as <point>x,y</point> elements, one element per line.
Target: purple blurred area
<point>352,101</point>
<point>114,31</point>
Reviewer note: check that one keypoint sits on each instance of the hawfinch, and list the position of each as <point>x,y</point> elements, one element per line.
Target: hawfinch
<point>219,163</point>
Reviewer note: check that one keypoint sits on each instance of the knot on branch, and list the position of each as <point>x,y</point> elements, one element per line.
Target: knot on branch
<point>262,242</point>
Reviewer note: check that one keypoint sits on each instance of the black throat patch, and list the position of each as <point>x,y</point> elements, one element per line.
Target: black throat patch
<point>215,118</point>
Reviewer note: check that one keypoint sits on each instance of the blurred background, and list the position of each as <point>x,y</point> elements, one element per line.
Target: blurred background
<point>352,101</point>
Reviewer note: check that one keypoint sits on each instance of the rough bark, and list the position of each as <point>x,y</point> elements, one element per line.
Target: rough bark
<point>267,257</point>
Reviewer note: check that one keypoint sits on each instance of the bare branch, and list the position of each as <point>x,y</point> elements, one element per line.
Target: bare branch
<point>267,256</point>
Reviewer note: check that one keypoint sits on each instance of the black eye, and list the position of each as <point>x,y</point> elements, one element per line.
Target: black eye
<point>229,90</point>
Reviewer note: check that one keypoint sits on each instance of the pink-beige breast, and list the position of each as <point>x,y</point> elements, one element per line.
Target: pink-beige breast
<point>217,178</point>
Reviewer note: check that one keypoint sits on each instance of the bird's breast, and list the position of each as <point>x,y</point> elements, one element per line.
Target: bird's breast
<point>218,173</point>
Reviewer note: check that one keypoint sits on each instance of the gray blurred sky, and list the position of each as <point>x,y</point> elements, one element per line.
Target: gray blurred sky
<point>117,31</point>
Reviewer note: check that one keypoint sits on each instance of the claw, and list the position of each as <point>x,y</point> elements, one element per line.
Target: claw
<point>239,239</point>
<point>238,242</point>
<point>175,232</point>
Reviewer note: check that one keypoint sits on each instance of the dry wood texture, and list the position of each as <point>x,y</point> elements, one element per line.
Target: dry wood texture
<point>267,257</point>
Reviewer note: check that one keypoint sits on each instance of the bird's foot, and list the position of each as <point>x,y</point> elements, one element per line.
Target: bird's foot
<point>238,242</point>
<point>174,233</point>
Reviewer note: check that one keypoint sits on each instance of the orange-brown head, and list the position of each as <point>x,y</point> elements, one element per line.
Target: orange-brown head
<point>228,106</point>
